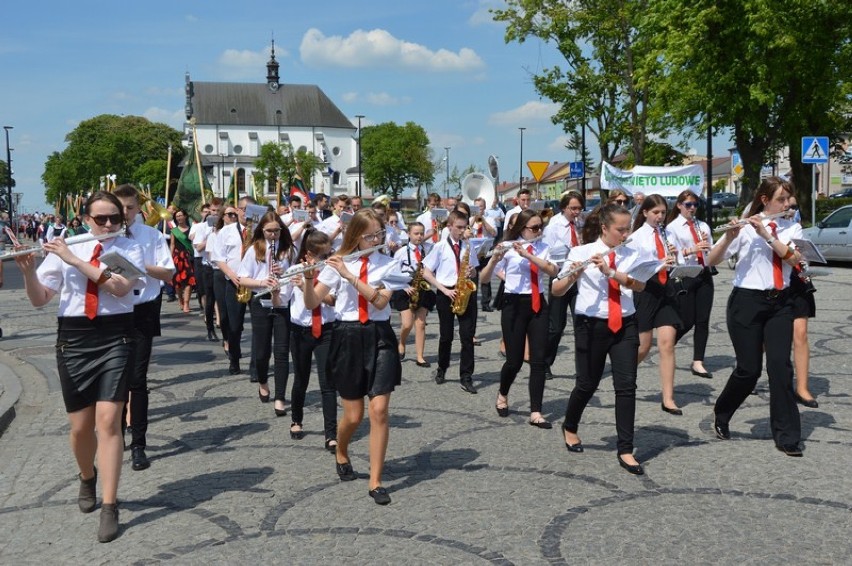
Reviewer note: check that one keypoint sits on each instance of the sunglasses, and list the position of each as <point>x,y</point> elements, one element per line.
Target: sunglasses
<point>231,214</point>
<point>101,219</point>
<point>690,204</point>
<point>536,228</point>
<point>620,201</point>
<point>794,207</point>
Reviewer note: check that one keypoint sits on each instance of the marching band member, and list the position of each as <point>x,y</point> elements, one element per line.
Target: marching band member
<point>363,359</point>
<point>410,257</point>
<point>604,328</point>
<point>693,239</point>
<point>220,281</point>
<point>760,313</point>
<point>333,225</point>
<point>310,336</point>
<point>562,230</point>
<point>95,347</point>
<point>525,313</point>
<point>159,268</point>
<point>267,257</point>
<point>200,240</point>
<point>655,306</point>
<point>481,226</point>
<point>431,224</point>
<point>441,268</point>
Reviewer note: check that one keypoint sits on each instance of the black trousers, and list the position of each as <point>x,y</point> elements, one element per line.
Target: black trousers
<point>594,341</point>
<point>236,316</point>
<point>205,284</point>
<point>146,327</point>
<point>270,336</point>
<point>694,309</point>
<point>220,287</point>
<point>519,322</point>
<point>197,266</point>
<point>757,322</point>
<point>303,345</point>
<point>484,290</point>
<point>558,320</point>
<point>467,330</point>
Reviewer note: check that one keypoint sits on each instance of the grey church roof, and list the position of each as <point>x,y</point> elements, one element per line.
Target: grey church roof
<point>254,104</point>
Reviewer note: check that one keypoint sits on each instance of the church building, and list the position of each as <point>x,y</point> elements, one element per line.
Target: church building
<point>233,120</point>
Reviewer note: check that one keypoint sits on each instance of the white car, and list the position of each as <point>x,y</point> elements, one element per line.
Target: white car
<point>833,234</point>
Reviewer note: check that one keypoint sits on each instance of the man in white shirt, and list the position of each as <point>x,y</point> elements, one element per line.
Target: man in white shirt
<point>524,198</point>
<point>332,225</point>
<point>199,234</point>
<point>432,226</point>
<point>159,267</point>
<point>483,226</point>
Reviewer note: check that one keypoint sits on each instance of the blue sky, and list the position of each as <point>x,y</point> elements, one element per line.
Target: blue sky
<point>442,64</point>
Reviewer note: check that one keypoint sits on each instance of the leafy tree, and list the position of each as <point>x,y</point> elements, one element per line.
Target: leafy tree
<point>108,144</point>
<point>575,144</point>
<point>3,178</point>
<point>396,157</point>
<point>279,161</point>
<point>601,84</point>
<point>152,174</point>
<point>770,71</point>
<point>656,153</point>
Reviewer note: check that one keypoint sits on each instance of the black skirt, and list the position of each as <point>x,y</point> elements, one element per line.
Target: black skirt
<point>400,301</point>
<point>94,359</point>
<point>804,305</point>
<point>363,359</point>
<point>655,308</point>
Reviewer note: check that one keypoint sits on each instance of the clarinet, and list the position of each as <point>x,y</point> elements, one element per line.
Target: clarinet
<point>677,284</point>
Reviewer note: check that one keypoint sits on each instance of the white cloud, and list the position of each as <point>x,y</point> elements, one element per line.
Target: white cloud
<point>559,143</point>
<point>378,48</point>
<point>481,16</point>
<point>234,64</point>
<point>533,111</point>
<point>174,118</point>
<point>349,96</point>
<point>385,99</point>
<point>121,95</point>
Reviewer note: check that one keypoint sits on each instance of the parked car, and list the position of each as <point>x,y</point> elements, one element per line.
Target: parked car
<point>845,193</point>
<point>592,202</point>
<point>833,234</point>
<point>725,200</point>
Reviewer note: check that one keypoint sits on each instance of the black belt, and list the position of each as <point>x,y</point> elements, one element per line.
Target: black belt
<point>767,294</point>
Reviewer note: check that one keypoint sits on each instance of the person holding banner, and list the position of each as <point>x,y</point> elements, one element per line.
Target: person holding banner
<point>760,313</point>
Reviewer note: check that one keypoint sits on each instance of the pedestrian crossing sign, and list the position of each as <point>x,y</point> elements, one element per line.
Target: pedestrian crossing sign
<point>814,149</point>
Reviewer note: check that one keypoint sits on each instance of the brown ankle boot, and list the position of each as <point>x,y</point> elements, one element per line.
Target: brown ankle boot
<point>108,529</point>
<point>87,499</point>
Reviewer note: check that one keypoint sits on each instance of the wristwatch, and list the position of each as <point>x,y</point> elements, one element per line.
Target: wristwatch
<point>105,275</point>
<point>771,240</point>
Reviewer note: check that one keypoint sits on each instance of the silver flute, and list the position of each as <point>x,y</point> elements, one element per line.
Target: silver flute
<point>586,263</point>
<point>743,221</point>
<point>509,244</point>
<point>82,238</point>
<point>288,275</point>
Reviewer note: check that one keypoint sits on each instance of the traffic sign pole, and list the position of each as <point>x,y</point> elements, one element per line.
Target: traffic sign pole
<point>813,194</point>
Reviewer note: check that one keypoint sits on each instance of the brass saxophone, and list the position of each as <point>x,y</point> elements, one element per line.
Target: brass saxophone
<point>244,293</point>
<point>464,286</point>
<point>418,283</point>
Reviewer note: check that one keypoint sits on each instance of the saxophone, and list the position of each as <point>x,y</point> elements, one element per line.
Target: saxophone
<point>418,283</point>
<point>244,293</point>
<point>464,286</point>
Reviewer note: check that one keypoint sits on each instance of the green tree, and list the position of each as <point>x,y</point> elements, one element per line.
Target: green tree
<point>279,161</point>
<point>152,174</point>
<point>602,84</point>
<point>3,178</point>
<point>575,144</point>
<point>656,153</point>
<point>396,157</point>
<point>108,144</point>
<point>770,71</point>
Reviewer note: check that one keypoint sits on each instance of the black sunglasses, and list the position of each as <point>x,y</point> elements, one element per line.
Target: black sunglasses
<point>101,219</point>
<point>690,204</point>
<point>231,214</point>
<point>794,207</point>
<point>620,201</point>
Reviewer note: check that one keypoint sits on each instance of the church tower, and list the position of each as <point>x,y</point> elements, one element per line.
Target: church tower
<point>272,71</point>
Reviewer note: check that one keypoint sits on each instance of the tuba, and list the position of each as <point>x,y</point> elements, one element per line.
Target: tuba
<point>464,286</point>
<point>244,293</point>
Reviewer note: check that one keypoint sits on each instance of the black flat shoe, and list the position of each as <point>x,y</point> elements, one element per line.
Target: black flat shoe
<point>211,336</point>
<point>790,450</point>
<point>380,495</point>
<point>541,424</point>
<point>468,387</point>
<point>477,342</point>
<point>296,434</point>
<point>234,368</point>
<point>440,376</point>
<point>263,398</point>
<point>331,447</point>
<point>138,458</point>
<point>722,431</point>
<point>704,374</point>
<point>577,448</point>
<point>675,411</point>
<point>345,472</point>
<point>636,469</point>
<point>423,364</point>
<point>809,403</point>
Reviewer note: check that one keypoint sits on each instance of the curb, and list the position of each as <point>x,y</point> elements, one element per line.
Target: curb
<point>11,389</point>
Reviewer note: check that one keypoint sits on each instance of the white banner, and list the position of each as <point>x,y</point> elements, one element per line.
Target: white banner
<point>663,181</point>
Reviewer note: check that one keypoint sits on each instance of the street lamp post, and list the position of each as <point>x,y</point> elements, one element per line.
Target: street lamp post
<point>360,176</point>
<point>521,167</point>
<point>12,223</point>
<point>447,186</point>
<point>222,174</point>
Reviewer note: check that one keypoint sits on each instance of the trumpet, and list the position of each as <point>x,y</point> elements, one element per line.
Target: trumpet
<point>288,275</point>
<point>586,263</point>
<point>508,245</point>
<point>39,249</point>
<point>743,221</point>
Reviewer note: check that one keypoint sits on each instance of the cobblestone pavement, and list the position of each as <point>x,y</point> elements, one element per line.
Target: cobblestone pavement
<point>228,485</point>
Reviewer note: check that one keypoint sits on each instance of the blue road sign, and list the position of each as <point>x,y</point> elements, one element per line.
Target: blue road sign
<point>576,169</point>
<point>814,149</point>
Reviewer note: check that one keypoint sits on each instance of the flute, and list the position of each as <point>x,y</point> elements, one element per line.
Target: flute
<point>509,244</point>
<point>743,221</point>
<point>82,238</point>
<point>586,263</point>
<point>288,275</point>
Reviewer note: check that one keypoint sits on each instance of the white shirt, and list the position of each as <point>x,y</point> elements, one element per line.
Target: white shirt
<point>57,231</point>
<point>259,270</point>
<point>198,233</point>
<point>476,227</point>
<point>558,232</point>
<point>680,236</point>
<point>593,286</point>
<point>71,284</point>
<point>155,251</point>
<point>346,305</point>
<point>407,258</point>
<point>644,241</point>
<point>494,214</point>
<point>230,245</point>
<point>509,215</point>
<point>517,269</point>
<point>442,261</point>
<point>426,220</point>
<point>213,252</point>
<point>754,267</point>
<point>304,317</point>
<point>328,226</point>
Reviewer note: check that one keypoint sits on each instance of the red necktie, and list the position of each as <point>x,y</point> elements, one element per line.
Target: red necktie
<point>574,241</point>
<point>435,234</point>
<point>661,253</point>
<point>614,304</point>
<point>92,287</point>
<point>777,270</point>
<point>363,314</point>
<point>316,318</point>
<point>479,230</point>
<point>698,255</point>
<point>536,294</point>
<point>417,255</point>
<point>457,252</point>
